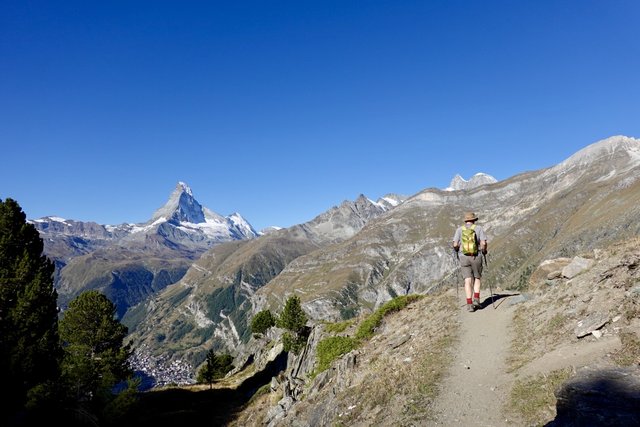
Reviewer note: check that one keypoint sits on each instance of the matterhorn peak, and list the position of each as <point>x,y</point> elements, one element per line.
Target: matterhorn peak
<point>181,207</point>
<point>184,188</point>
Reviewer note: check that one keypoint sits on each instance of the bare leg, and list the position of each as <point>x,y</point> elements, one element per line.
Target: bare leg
<point>467,286</point>
<point>476,286</point>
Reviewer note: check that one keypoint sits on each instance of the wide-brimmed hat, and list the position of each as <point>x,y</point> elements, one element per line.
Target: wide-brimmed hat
<point>470,216</point>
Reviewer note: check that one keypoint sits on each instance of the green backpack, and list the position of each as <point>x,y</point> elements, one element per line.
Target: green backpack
<point>469,244</point>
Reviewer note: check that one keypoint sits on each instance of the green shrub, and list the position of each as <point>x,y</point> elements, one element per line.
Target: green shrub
<point>368,326</point>
<point>329,349</point>
<point>262,321</point>
<point>338,327</point>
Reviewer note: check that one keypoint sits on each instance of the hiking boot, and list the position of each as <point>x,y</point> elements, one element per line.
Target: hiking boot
<point>471,308</point>
<point>476,303</point>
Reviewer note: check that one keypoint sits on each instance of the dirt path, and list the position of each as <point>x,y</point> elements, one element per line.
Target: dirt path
<point>477,386</point>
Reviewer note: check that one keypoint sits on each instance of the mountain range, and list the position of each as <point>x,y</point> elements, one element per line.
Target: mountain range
<point>181,292</point>
<point>355,257</point>
<point>129,262</point>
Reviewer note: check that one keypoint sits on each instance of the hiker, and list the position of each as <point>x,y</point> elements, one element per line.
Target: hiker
<point>469,241</point>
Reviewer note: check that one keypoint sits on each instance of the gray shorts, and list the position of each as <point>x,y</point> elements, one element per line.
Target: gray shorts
<point>471,266</point>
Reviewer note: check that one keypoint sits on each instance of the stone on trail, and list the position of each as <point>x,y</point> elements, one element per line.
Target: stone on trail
<point>592,322</point>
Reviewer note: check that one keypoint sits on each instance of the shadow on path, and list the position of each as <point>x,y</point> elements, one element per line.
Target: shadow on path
<point>497,300</point>
<point>604,397</point>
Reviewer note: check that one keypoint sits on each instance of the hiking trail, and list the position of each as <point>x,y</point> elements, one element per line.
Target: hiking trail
<point>477,385</point>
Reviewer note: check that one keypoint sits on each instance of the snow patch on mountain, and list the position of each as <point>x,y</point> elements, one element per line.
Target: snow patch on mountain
<point>137,228</point>
<point>392,202</point>
<point>242,225</point>
<point>389,201</point>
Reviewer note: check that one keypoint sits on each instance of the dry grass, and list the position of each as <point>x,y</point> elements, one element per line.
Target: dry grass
<point>629,354</point>
<point>533,398</point>
<point>424,388</point>
<point>521,351</point>
<point>416,380</point>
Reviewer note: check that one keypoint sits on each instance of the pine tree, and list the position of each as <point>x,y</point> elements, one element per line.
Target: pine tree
<point>29,344</point>
<point>95,358</point>
<point>294,319</point>
<point>215,367</point>
<point>293,316</point>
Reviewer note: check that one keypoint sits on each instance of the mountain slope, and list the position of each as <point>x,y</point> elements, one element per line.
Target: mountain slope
<point>213,302</point>
<point>566,352</point>
<point>510,363</point>
<point>590,199</point>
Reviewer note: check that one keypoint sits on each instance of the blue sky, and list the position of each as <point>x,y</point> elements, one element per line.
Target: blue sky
<point>279,110</point>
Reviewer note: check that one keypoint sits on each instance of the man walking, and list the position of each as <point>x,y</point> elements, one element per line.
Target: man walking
<point>468,241</point>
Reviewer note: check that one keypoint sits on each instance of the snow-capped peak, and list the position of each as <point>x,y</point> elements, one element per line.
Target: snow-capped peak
<point>183,211</point>
<point>242,225</point>
<point>181,206</point>
<point>50,218</point>
<point>389,201</point>
<point>185,188</point>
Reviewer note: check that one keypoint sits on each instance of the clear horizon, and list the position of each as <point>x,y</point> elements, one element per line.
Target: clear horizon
<point>280,111</point>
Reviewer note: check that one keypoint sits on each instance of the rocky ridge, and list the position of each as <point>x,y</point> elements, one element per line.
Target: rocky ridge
<point>459,183</point>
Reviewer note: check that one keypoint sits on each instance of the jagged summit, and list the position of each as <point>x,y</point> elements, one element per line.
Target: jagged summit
<point>181,207</point>
<point>184,211</point>
<point>389,201</point>
<point>459,183</point>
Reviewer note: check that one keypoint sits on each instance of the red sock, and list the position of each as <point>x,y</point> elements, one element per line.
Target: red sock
<point>476,295</point>
<point>469,301</point>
